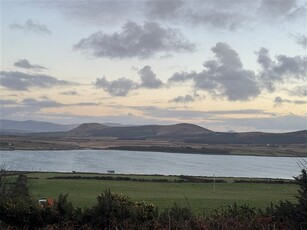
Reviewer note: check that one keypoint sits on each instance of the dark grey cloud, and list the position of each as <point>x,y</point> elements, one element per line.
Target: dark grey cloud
<point>70,93</point>
<point>141,41</point>
<point>23,81</point>
<point>219,19</point>
<point>217,14</point>
<point>120,87</point>
<point>7,102</point>
<point>84,104</point>
<point>46,103</point>
<point>149,78</point>
<point>283,10</point>
<point>299,12</point>
<point>154,111</point>
<point>94,11</point>
<point>223,76</point>
<point>183,99</point>
<point>24,63</point>
<point>161,9</point>
<point>31,26</point>
<point>279,101</point>
<point>225,14</point>
<point>272,8</point>
<point>123,86</point>
<point>36,105</point>
<point>301,40</point>
<point>300,91</point>
<point>49,103</point>
<point>282,69</point>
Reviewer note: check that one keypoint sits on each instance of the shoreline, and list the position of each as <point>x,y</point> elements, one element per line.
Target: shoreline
<point>215,152</point>
<point>150,145</point>
<point>16,172</point>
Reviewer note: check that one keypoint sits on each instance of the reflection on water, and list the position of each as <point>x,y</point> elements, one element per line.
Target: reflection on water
<point>151,163</point>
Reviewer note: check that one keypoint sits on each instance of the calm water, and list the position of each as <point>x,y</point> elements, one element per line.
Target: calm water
<point>151,163</point>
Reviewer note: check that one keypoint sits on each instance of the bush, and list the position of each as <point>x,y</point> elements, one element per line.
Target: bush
<point>177,217</point>
<point>116,210</point>
<point>295,214</point>
<point>64,208</point>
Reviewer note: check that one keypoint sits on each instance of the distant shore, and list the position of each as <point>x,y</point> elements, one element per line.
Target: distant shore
<point>183,150</point>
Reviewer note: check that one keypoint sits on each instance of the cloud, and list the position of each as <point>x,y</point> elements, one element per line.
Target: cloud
<point>31,26</point>
<point>120,87</point>
<point>24,63</point>
<point>183,99</point>
<point>225,15</point>
<point>300,91</point>
<point>149,78</point>
<point>219,19</point>
<point>94,11</point>
<point>7,102</point>
<point>141,41</point>
<point>279,101</point>
<point>123,86</point>
<point>22,81</point>
<point>46,103</point>
<point>223,76</point>
<point>164,9</point>
<point>70,93</point>
<point>284,10</point>
<point>270,8</point>
<point>287,123</point>
<point>283,69</point>
<point>185,114</point>
<point>216,14</point>
<point>299,12</point>
<point>300,39</point>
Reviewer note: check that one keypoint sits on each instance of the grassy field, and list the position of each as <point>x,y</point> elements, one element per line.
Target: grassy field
<point>199,196</point>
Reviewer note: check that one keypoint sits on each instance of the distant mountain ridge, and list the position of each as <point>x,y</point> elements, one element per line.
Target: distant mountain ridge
<point>30,126</point>
<point>184,132</point>
<point>188,133</point>
<point>145,131</point>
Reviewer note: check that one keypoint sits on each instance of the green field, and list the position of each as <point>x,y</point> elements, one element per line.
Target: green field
<point>199,196</point>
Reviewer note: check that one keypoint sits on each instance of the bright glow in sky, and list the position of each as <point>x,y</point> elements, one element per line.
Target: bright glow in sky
<point>225,65</point>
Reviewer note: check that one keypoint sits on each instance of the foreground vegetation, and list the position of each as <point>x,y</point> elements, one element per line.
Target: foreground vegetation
<point>115,211</point>
<point>197,192</point>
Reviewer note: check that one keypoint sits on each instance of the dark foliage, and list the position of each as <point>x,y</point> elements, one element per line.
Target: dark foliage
<point>116,211</point>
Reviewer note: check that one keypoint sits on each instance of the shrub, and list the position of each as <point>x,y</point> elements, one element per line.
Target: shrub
<point>64,208</point>
<point>118,210</point>
<point>177,216</point>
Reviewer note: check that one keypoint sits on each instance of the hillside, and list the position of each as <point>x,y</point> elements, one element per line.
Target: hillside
<point>30,126</point>
<point>178,131</point>
<point>86,129</point>
<point>299,137</point>
<point>188,133</point>
<point>184,132</point>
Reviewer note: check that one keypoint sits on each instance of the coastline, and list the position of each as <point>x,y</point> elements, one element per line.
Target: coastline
<point>10,143</point>
<point>220,152</point>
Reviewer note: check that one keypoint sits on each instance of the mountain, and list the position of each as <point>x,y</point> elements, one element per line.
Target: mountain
<point>86,129</point>
<point>188,133</point>
<point>299,137</point>
<point>14,127</point>
<point>138,132</point>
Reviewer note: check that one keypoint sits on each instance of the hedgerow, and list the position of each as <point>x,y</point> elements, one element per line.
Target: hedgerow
<point>117,211</point>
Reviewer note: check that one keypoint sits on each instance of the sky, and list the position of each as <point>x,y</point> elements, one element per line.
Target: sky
<point>222,64</point>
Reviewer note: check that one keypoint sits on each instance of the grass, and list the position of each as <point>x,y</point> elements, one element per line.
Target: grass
<point>200,196</point>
